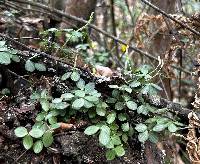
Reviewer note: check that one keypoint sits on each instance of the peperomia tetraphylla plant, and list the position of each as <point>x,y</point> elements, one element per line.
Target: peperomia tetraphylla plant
<point>109,116</point>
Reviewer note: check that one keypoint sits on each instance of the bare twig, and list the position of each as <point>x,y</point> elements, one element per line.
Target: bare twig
<point>97,29</point>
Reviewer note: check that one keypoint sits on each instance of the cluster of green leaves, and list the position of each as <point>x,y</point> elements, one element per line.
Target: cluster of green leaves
<point>86,99</point>
<point>71,36</point>
<point>100,57</point>
<point>32,66</point>
<point>153,127</point>
<point>109,117</point>
<point>41,133</point>
<point>36,138</point>
<point>7,54</point>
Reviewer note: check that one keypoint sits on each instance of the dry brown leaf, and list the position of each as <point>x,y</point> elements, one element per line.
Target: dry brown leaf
<point>193,145</point>
<point>65,126</point>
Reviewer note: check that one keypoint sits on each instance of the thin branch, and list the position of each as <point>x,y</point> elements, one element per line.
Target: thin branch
<point>171,17</point>
<point>97,29</point>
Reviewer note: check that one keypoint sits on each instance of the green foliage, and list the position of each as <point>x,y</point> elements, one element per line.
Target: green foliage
<point>47,138</point>
<point>38,146</point>
<point>7,54</point>
<point>110,118</point>
<point>21,132</point>
<point>27,142</point>
<point>91,130</point>
<point>31,66</point>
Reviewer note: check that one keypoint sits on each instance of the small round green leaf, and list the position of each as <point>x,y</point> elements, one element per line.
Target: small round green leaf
<point>131,105</point>
<point>61,105</point>
<point>125,138</point>
<point>142,137</point>
<point>172,128</point>
<point>5,58</point>
<point>89,88</point>
<point>101,111</point>
<point>153,137</point>
<point>119,150</point>
<point>88,104</point>
<point>15,58</point>
<point>40,67</point>
<point>141,127</point>
<point>91,98</point>
<point>75,76</point>
<point>67,96</point>
<point>111,100</point>
<point>115,93</point>
<point>111,118</point>
<point>119,106</point>
<point>104,136</point>
<point>47,139</point>
<point>80,84</point>
<point>142,109</point>
<point>122,117</point>
<point>57,100</point>
<point>135,84</point>
<point>55,126</point>
<point>125,127</point>
<point>159,127</point>
<point>78,103</point>
<point>45,105</point>
<point>29,66</point>
<point>36,133</point>
<point>38,146</point>
<point>52,120</point>
<point>66,76</point>
<point>91,130</point>
<point>27,142</point>
<point>21,132</point>
<point>80,93</point>
<point>116,140</point>
<point>40,116</point>
<point>110,154</point>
